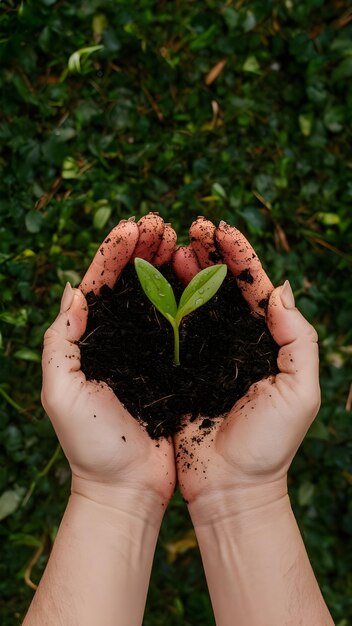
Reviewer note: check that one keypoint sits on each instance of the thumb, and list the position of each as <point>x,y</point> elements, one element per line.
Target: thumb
<point>298,358</point>
<point>61,355</point>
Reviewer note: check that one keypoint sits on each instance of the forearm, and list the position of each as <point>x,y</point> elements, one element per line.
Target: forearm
<point>99,568</point>
<point>258,571</point>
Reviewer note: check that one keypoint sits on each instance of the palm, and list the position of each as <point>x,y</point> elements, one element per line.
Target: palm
<point>240,449</point>
<point>258,438</point>
<point>101,440</point>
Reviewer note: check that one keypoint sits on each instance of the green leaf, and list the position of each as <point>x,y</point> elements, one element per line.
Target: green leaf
<point>24,539</point>
<point>156,288</point>
<point>335,118</point>
<point>74,62</point>
<point>231,17</point>
<point>305,493</point>
<point>218,190</point>
<point>204,39</point>
<point>9,501</point>
<point>25,255</point>
<point>254,217</point>
<point>17,318</point>
<point>249,22</point>
<point>159,291</point>
<point>201,288</point>
<point>318,430</point>
<point>69,275</point>
<point>28,355</point>
<point>99,24</point>
<point>33,221</point>
<point>101,217</point>
<point>251,65</point>
<point>305,123</point>
<point>344,70</point>
<point>329,219</point>
<point>70,169</point>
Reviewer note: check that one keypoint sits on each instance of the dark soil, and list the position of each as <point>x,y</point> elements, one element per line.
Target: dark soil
<point>129,345</point>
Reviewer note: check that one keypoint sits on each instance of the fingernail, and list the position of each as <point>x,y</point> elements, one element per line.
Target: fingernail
<point>132,218</point>
<point>222,224</point>
<point>67,298</point>
<point>286,296</point>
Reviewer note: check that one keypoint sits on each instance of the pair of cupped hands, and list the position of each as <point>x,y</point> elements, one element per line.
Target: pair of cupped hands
<point>246,456</point>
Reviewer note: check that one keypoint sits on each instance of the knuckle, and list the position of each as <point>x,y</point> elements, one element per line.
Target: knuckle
<point>51,400</point>
<point>50,335</point>
<point>312,334</point>
<point>311,401</point>
<point>44,400</point>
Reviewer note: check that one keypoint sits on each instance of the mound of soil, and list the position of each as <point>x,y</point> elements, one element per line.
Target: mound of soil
<point>129,345</point>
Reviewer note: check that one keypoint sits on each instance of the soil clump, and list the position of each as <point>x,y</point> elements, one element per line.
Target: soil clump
<point>128,344</point>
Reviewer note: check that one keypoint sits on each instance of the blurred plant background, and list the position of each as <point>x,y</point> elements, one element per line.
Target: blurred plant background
<point>235,110</point>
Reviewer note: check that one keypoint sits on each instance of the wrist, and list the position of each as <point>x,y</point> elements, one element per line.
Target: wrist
<point>239,504</point>
<point>256,565</point>
<point>129,501</point>
<point>100,565</point>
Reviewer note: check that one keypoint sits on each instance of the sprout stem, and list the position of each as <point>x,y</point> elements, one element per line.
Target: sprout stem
<point>176,344</point>
<point>202,287</point>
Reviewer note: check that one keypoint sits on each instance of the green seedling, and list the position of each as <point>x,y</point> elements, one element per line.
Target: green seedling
<point>159,291</point>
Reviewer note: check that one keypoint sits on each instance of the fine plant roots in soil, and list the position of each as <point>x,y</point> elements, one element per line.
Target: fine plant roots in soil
<point>224,348</point>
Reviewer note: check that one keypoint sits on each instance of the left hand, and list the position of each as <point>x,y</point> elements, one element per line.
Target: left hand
<point>109,452</point>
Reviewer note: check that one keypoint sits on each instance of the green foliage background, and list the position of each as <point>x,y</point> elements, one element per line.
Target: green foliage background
<point>136,125</point>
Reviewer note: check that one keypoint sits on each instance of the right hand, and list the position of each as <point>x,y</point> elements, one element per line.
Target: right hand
<point>108,450</point>
<point>248,452</point>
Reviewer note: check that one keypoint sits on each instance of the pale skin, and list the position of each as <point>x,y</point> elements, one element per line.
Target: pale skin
<point>99,568</point>
<point>257,569</point>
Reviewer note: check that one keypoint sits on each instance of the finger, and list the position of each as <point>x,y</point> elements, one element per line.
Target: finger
<point>112,256</point>
<point>298,358</point>
<point>244,263</point>
<point>61,355</point>
<point>167,246</point>
<point>185,264</point>
<point>202,238</point>
<point>151,228</point>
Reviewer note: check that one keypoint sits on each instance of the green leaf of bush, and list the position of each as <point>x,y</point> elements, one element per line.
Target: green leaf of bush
<point>33,221</point>
<point>101,217</point>
<point>9,501</point>
<point>27,355</point>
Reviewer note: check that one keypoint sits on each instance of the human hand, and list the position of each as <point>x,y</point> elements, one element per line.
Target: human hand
<point>245,458</point>
<point>108,450</point>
